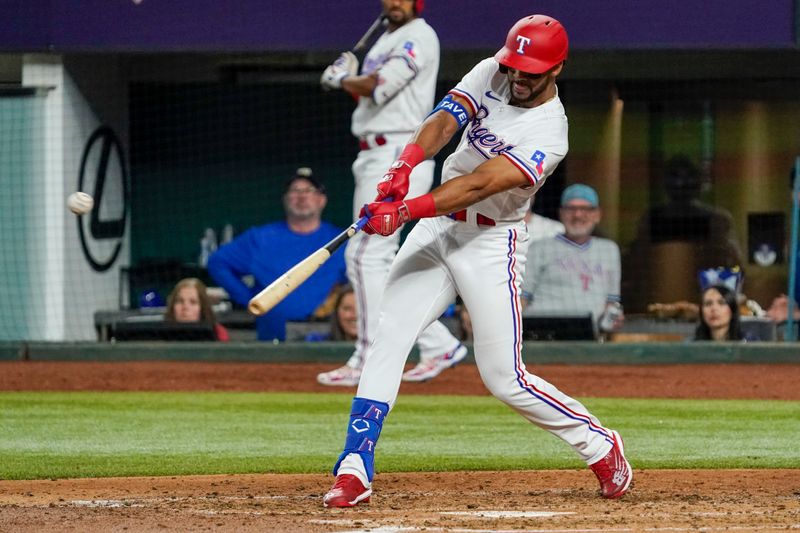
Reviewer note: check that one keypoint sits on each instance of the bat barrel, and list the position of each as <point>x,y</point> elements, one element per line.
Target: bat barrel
<point>276,291</point>
<point>256,308</point>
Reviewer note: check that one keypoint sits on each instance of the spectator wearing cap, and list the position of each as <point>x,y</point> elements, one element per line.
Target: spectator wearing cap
<point>574,272</point>
<point>266,252</point>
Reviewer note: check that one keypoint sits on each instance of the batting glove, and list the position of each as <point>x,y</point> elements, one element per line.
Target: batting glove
<point>386,217</point>
<point>394,183</point>
<point>345,65</point>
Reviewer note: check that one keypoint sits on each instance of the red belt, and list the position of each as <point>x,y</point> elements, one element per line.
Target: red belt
<point>364,144</point>
<point>480,219</point>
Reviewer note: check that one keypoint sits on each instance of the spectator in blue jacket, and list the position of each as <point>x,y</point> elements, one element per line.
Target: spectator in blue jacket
<point>266,252</point>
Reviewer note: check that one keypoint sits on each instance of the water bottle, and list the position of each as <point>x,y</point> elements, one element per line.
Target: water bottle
<point>227,234</point>
<point>211,235</point>
<point>205,252</point>
<point>613,312</point>
<point>208,245</point>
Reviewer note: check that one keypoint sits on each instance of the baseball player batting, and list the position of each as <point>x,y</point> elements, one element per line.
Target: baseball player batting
<point>471,240</point>
<point>395,90</point>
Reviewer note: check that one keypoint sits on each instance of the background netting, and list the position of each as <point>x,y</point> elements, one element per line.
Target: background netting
<point>182,149</point>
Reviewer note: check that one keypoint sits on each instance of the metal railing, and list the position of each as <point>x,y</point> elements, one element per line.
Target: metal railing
<point>790,334</point>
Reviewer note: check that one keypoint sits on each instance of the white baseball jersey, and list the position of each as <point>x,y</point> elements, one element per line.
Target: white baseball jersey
<point>534,140</point>
<point>407,63</point>
<point>565,277</point>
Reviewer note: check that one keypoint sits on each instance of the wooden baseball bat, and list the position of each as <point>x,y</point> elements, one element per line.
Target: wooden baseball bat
<point>376,25</point>
<point>279,289</point>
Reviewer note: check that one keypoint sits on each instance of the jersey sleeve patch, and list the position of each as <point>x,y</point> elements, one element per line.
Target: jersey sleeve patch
<point>538,161</point>
<point>527,167</point>
<point>409,48</point>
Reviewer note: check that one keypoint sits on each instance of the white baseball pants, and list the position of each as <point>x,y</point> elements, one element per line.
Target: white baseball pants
<point>485,265</point>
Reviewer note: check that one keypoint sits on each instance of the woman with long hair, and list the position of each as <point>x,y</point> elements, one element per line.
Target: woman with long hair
<point>189,302</point>
<point>344,319</point>
<point>719,315</point>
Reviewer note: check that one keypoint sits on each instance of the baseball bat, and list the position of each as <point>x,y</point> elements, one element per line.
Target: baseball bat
<point>376,25</point>
<point>279,289</point>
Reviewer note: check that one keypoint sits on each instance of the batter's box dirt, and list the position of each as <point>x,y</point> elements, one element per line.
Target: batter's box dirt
<point>662,500</point>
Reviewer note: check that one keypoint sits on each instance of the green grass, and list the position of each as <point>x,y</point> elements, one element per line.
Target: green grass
<point>57,435</point>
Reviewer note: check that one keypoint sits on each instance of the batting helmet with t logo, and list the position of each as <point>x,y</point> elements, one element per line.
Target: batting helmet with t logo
<point>535,44</point>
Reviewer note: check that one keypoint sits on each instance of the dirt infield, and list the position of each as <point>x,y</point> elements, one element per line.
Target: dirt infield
<point>750,381</point>
<point>681,500</point>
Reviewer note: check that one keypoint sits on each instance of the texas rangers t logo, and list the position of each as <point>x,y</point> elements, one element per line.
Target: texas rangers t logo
<point>523,42</point>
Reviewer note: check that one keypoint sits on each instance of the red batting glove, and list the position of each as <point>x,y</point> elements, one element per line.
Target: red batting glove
<point>386,217</point>
<point>394,183</point>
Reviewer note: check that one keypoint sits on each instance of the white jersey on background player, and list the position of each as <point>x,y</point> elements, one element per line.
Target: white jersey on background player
<point>403,64</point>
<point>516,135</point>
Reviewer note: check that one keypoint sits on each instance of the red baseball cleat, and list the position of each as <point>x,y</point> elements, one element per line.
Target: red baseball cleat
<point>346,492</point>
<point>613,471</point>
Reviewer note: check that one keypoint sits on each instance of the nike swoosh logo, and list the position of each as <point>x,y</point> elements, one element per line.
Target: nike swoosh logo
<point>490,95</point>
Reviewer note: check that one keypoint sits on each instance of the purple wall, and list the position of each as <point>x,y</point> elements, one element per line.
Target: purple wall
<point>240,25</point>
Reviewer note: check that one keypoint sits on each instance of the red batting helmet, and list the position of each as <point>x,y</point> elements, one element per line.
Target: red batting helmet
<point>535,44</point>
<point>419,5</point>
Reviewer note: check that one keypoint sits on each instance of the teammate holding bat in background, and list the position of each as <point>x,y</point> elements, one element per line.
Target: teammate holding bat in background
<point>471,241</point>
<point>395,92</point>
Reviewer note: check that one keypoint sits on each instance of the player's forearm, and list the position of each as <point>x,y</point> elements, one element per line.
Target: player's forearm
<point>492,177</point>
<point>458,194</point>
<point>426,142</point>
<point>434,133</point>
<point>360,85</point>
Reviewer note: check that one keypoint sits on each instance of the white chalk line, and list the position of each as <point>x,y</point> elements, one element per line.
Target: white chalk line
<point>128,502</point>
<point>506,514</point>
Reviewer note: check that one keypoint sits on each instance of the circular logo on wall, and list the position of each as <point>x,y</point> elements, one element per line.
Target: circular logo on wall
<point>104,175</point>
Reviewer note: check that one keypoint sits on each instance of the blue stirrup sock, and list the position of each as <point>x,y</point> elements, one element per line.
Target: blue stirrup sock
<point>366,421</point>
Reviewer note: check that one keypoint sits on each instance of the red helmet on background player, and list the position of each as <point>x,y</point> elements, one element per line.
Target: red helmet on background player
<point>419,5</point>
<point>535,44</point>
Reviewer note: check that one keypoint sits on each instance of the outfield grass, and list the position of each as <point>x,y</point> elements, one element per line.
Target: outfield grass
<point>58,435</point>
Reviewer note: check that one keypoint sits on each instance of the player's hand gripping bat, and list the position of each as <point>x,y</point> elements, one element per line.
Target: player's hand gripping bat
<point>279,289</point>
<point>347,63</point>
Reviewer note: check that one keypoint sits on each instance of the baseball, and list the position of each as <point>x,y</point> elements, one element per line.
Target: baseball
<point>80,203</point>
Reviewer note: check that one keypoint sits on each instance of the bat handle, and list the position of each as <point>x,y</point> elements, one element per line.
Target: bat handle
<point>361,222</point>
